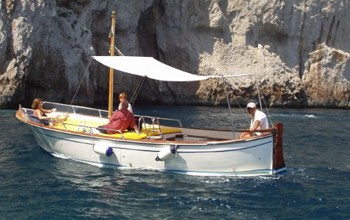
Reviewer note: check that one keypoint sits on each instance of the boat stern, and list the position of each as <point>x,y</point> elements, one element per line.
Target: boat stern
<point>278,159</point>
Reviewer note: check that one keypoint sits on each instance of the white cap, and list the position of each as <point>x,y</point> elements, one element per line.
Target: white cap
<point>251,105</point>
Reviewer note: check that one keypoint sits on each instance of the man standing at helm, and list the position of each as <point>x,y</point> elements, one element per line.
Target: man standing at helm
<point>258,121</point>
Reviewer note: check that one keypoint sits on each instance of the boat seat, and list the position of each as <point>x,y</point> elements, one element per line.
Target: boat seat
<point>31,117</point>
<point>35,119</point>
<point>80,126</point>
<point>128,135</point>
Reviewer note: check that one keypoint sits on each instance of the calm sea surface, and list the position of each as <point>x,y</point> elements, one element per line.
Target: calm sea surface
<point>35,185</point>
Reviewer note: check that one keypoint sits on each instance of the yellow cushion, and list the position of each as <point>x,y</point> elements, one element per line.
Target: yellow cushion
<point>84,126</point>
<point>129,135</point>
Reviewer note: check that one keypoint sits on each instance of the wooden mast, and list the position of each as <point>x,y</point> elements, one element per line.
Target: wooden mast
<point>111,71</point>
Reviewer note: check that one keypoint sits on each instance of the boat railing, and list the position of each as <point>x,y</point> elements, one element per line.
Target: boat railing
<point>152,125</point>
<point>27,112</point>
<point>75,109</point>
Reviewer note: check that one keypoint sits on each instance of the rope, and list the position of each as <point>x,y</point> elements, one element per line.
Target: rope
<point>258,91</point>
<point>228,102</point>
<point>267,112</point>
<point>81,81</point>
<point>261,105</point>
<point>261,54</point>
<point>134,96</point>
<point>119,52</point>
<point>137,91</point>
<point>239,105</point>
<point>138,88</point>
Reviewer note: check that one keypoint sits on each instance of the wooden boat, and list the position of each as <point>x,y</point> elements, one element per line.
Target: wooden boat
<point>163,144</point>
<point>158,147</point>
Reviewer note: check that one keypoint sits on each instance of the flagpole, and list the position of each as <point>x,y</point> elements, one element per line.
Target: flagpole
<point>111,72</point>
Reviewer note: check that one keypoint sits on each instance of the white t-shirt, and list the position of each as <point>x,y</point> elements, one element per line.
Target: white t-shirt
<point>260,116</point>
<point>129,107</point>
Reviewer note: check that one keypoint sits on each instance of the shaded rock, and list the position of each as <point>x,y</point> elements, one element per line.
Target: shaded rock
<point>290,48</point>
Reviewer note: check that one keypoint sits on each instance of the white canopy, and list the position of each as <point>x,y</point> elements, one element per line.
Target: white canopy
<point>150,67</point>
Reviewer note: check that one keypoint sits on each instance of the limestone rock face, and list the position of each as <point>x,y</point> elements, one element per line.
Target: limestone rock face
<point>296,52</point>
<point>327,78</point>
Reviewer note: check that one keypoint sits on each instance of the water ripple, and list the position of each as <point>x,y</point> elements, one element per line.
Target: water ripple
<point>316,185</point>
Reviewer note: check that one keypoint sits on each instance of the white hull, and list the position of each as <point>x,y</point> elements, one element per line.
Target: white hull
<point>229,157</point>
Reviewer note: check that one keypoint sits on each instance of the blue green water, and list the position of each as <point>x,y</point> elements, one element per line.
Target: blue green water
<point>316,185</point>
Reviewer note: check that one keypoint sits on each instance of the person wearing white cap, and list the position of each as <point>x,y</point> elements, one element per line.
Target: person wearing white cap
<point>258,121</point>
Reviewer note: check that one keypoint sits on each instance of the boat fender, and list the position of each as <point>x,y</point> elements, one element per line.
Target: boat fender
<point>166,153</point>
<point>103,149</point>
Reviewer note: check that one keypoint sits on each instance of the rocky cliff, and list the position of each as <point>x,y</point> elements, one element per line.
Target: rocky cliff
<point>297,52</point>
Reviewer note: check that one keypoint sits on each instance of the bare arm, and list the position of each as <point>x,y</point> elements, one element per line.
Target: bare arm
<point>255,126</point>
<point>48,111</point>
<point>39,114</point>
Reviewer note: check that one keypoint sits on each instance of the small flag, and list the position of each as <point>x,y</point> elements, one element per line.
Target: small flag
<point>111,33</point>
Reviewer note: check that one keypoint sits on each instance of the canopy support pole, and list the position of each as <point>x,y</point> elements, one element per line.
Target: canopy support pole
<point>111,71</point>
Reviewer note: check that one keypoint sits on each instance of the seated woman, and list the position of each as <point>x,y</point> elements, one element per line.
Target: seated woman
<point>120,121</point>
<point>123,97</point>
<point>40,113</point>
